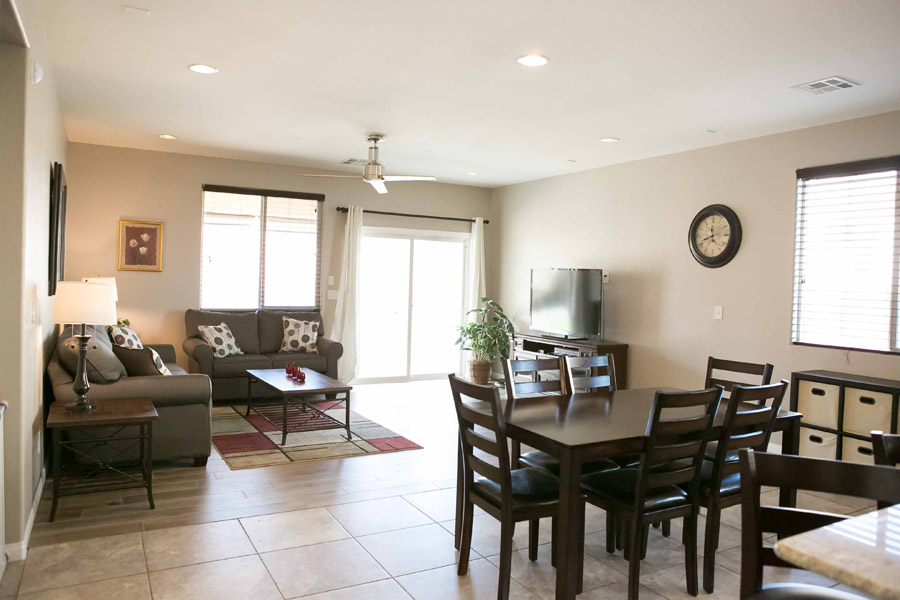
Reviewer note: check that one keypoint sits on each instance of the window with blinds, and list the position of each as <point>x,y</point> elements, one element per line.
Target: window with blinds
<point>847,256</point>
<point>260,248</point>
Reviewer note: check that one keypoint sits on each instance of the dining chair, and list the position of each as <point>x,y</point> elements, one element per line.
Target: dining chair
<point>886,448</point>
<point>763,371</point>
<point>601,374</point>
<point>758,469</point>
<point>516,390</point>
<point>748,423</point>
<point>665,484</point>
<point>509,495</point>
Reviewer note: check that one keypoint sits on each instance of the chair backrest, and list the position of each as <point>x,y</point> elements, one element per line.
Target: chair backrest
<point>675,441</point>
<point>535,385</point>
<point>490,418</point>
<point>795,472</point>
<point>886,447</point>
<point>764,372</point>
<point>748,423</point>
<point>601,373</point>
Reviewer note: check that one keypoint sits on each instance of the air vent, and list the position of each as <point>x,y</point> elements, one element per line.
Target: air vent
<point>354,161</point>
<point>822,86</point>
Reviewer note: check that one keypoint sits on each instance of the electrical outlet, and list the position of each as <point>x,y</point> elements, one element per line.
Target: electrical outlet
<point>717,313</point>
<point>605,277</point>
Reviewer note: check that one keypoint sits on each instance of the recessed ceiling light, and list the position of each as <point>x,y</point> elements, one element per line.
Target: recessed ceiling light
<point>532,60</point>
<point>609,140</point>
<point>203,69</point>
<point>472,173</point>
<point>167,136</point>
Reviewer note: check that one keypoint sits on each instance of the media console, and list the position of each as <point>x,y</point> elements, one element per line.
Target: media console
<point>530,345</point>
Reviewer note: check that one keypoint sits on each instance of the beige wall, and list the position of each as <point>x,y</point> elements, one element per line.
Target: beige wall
<point>33,138</point>
<point>632,220</point>
<point>107,184</point>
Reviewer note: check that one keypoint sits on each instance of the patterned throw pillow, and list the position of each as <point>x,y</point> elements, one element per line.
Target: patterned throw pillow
<point>299,336</point>
<point>158,363</point>
<point>125,337</point>
<point>220,338</point>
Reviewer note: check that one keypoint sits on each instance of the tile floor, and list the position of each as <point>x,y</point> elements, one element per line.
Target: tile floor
<point>373,527</point>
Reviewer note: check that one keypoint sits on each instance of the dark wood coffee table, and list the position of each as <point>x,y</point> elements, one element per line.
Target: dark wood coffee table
<point>124,413</point>
<point>315,384</point>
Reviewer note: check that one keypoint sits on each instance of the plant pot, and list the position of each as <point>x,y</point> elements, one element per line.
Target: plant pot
<point>480,371</point>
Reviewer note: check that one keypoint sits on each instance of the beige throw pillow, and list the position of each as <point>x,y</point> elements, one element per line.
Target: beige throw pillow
<point>300,336</point>
<point>220,339</point>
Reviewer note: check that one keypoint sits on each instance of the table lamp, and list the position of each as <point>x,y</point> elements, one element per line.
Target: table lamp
<point>105,280</point>
<point>88,304</point>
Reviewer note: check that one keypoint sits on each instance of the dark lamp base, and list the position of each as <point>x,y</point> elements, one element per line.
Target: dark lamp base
<point>82,404</point>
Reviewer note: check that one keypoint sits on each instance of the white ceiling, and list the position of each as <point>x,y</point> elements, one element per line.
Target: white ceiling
<point>303,81</point>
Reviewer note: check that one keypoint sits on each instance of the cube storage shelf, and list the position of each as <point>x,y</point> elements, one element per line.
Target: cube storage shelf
<point>840,410</point>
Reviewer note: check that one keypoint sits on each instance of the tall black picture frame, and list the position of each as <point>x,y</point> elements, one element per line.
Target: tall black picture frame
<point>57,249</point>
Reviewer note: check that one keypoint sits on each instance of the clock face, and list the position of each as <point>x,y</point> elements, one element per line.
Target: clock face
<point>715,235</point>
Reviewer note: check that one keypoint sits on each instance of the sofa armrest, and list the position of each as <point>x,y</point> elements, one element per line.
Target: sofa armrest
<point>166,351</point>
<point>58,374</point>
<point>163,390</point>
<point>332,350</point>
<point>200,352</point>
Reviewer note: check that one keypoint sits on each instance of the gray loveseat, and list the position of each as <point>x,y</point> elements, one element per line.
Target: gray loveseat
<point>259,334</point>
<point>183,402</point>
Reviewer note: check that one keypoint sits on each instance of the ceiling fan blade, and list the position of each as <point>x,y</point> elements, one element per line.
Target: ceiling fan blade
<point>335,176</point>
<point>409,178</point>
<point>378,185</point>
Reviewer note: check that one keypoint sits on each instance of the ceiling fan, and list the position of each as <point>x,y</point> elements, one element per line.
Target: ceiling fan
<point>374,171</point>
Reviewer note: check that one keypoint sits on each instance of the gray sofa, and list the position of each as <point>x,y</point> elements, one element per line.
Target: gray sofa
<point>259,334</point>
<point>183,402</point>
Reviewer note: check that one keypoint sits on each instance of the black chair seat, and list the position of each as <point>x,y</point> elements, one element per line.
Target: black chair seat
<point>731,484</point>
<point>528,486</point>
<point>800,591</point>
<point>712,447</point>
<point>627,460</point>
<point>621,485</point>
<point>548,462</point>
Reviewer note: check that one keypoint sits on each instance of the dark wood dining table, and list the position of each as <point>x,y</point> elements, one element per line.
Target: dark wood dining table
<point>581,427</point>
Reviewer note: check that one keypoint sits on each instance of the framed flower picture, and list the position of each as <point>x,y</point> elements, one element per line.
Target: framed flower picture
<point>140,246</point>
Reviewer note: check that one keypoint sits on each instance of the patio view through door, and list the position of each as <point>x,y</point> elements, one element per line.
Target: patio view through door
<point>411,301</point>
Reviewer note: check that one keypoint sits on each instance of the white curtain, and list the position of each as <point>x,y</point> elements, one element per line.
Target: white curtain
<point>345,329</point>
<point>476,280</point>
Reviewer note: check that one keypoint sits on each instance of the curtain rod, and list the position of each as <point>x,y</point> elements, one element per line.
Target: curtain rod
<point>344,209</point>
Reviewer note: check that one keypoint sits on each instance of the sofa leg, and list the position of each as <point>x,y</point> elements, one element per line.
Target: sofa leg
<point>200,461</point>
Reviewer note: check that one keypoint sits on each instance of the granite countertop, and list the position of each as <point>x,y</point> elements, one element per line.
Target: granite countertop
<point>862,552</point>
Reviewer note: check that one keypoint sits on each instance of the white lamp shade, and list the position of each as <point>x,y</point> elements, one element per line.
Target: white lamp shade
<point>82,302</point>
<point>105,280</point>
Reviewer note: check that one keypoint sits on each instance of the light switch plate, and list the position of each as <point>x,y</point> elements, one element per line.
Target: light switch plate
<point>332,294</point>
<point>605,277</point>
<point>717,313</point>
<point>331,280</point>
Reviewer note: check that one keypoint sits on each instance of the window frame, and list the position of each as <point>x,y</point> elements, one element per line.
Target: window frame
<point>264,194</point>
<point>860,167</point>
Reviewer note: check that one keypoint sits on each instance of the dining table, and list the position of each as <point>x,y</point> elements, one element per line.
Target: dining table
<point>862,552</point>
<point>581,427</point>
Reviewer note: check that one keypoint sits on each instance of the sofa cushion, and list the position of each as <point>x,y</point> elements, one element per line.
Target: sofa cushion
<point>242,324</point>
<point>235,365</point>
<point>220,339</point>
<point>141,362</point>
<point>271,327</point>
<point>316,362</point>
<point>125,337</point>
<point>101,364</point>
<point>299,336</point>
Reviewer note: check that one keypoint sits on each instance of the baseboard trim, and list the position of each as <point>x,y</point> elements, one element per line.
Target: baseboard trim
<point>19,550</point>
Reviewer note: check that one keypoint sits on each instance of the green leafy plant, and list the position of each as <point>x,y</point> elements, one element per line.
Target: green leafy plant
<point>120,322</point>
<point>486,335</point>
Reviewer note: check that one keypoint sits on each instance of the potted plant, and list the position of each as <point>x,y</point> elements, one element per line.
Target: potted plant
<point>486,336</point>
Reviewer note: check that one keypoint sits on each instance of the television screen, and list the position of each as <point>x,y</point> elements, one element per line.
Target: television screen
<point>567,302</point>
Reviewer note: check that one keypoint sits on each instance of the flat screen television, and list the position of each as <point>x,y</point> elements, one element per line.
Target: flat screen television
<point>567,302</point>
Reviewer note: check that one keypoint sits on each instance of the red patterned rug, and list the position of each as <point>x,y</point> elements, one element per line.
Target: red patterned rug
<point>246,442</point>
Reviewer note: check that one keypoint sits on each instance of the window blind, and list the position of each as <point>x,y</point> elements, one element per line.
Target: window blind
<point>260,248</point>
<point>847,256</point>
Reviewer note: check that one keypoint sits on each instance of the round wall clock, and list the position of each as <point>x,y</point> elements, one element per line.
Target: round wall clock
<point>715,236</point>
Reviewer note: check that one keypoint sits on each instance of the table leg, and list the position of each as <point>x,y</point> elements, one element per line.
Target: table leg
<point>347,415</point>
<point>790,444</point>
<point>57,470</point>
<point>284,424</point>
<point>249,395</point>
<point>567,541</point>
<point>148,463</point>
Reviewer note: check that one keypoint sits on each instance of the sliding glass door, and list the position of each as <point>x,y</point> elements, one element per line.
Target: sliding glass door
<point>411,300</point>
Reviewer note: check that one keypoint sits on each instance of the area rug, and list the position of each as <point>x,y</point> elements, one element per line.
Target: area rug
<point>247,442</point>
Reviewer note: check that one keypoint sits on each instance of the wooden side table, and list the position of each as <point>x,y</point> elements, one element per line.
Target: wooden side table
<point>124,413</point>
